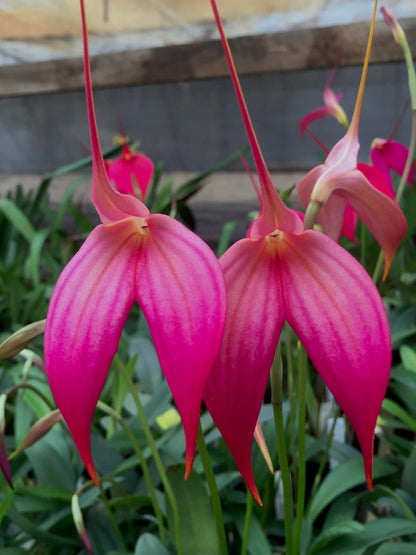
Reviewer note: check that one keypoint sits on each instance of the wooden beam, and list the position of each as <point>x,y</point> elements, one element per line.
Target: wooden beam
<point>288,51</point>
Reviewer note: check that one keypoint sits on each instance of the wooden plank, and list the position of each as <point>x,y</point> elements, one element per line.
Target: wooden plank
<point>287,51</point>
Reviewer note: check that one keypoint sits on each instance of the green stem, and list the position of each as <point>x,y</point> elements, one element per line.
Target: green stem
<point>291,389</point>
<point>153,448</point>
<point>363,245</point>
<point>277,402</point>
<point>300,502</point>
<point>310,214</point>
<point>409,159</point>
<point>215,498</point>
<point>246,532</point>
<point>150,488</point>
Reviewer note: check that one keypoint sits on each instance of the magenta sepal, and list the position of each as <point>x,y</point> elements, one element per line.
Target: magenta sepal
<point>133,256</point>
<point>282,272</point>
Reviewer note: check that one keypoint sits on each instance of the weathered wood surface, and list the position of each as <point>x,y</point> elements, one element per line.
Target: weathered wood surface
<point>191,126</point>
<point>292,50</point>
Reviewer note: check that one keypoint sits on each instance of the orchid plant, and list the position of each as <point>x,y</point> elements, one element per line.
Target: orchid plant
<point>216,327</point>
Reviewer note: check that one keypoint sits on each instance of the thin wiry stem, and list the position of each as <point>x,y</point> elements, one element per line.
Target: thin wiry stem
<point>156,456</point>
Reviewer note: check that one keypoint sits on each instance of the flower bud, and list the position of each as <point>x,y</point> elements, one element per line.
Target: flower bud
<point>21,339</point>
<point>79,522</point>
<point>39,429</point>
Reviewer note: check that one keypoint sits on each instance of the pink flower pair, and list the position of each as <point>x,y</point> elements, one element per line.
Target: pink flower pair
<point>215,324</point>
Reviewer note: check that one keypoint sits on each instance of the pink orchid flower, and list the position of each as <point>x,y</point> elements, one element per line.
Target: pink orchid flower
<point>282,272</point>
<point>377,180</point>
<point>331,186</point>
<point>331,106</point>
<point>131,172</point>
<point>132,256</point>
<point>389,155</point>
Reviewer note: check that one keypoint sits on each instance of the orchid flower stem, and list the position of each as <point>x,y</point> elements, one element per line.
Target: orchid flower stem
<point>300,502</point>
<point>409,160</point>
<point>322,464</point>
<point>31,388</point>
<point>310,214</point>
<point>277,402</point>
<point>291,388</point>
<point>247,521</point>
<point>215,498</point>
<point>158,513</point>
<point>363,245</point>
<point>400,190</point>
<point>153,448</point>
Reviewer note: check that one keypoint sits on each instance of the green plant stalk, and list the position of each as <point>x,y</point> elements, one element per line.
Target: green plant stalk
<point>300,502</point>
<point>247,520</point>
<point>32,388</point>
<point>409,158</point>
<point>149,484</point>
<point>322,464</point>
<point>277,402</point>
<point>404,507</point>
<point>400,189</point>
<point>363,245</point>
<point>212,485</point>
<point>153,448</point>
<point>292,389</point>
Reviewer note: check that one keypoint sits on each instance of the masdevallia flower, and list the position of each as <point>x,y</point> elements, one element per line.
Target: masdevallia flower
<point>279,272</point>
<point>132,256</point>
<point>328,188</point>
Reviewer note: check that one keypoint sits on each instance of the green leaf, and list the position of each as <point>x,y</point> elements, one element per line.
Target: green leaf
<point>148,543</point>
<point>33,261</point>
<point>197,522</point>
<point>51,461</point>
<point>329,534</point>
<point>36,532</point>
<point>399,412</point>
<point>345,476</point>
<point>101,531</point>
<point>5,503</point>
<point>17,218</point>
<point>409,474</point>
<point>372,534</point>
<point>408,357</point>
<point>164,198</point>
<point>342,509</point>
<point>396,548</point>
<point>225,238</point>
<point>257,540</point>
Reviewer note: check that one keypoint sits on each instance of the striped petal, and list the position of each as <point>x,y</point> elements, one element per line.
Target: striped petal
<point>381,214</point>
<point>255,316</point>
<point>335,309</point>
<point>180,288</point>
<point>86,315</point>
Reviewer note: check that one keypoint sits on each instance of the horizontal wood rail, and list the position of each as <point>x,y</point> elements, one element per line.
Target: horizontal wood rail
<point>285,51</point>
